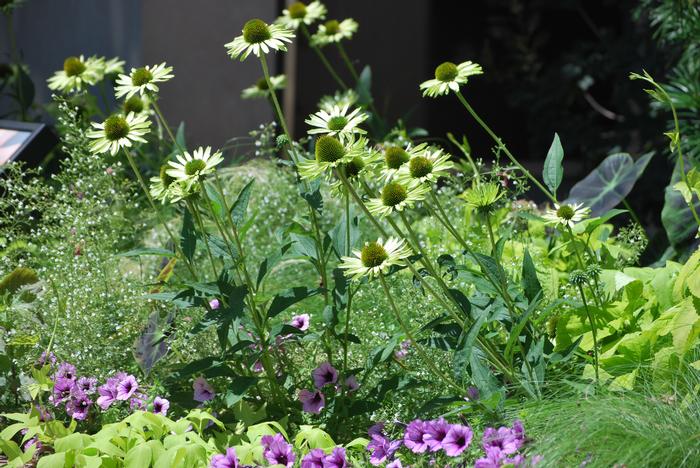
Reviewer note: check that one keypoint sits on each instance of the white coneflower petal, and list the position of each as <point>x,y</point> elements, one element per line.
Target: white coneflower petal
<point>395,197</point>
<point>566,215</point>
<point>337,122</point>
<point>339,99</point>
<point>330,153</point>
<point>261,89</point>
<point>77,74</point>
<point>259,38</point>
<point>425,166</point>
<point>375,258</point>
<point>190,167</point>
<point>449,77</point>
<point>118,131</point>
<point>334,31</point>
<point>142,80</point>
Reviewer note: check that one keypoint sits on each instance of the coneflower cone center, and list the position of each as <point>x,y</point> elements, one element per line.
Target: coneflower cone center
<point>133,104</point>
<point>116,127</point>
<point>446,71</point>
<point>393,193</point>
<point>565,212</point>
<point>73,66</point>
<point>194,166</point>
<point>262,84</point>
<point>337,123</point>
<point>165,177</point>
<point>353,168</point>
<point>141,76</point>
<point>297,10</point>
<point>328,149</point>
<point>373,255</point>
<point>256,31</point>
<point>332,27</point>
<point>395,157</point>
<point>420,166</point>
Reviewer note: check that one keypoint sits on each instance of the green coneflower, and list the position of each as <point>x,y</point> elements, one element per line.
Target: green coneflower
<point>259,38</point>
<point>299,12</point>
<point>77,73</point>
<point>396,156</point>
<point>118,131</point>
<point>190,167</point>
<point>339,99</point>
<point>483,197</point>
<point>337,122</point>
<point>135,104</point>
<point>261,90</point>
<point>396,196</point>
<point>566,215</point>
<point>426,166</point>
<point>375,258</point>
<point>330,153</point>
<point>449,76</point>
<point>161,186</point>
<point>142,80</point>
<point>334,31</point>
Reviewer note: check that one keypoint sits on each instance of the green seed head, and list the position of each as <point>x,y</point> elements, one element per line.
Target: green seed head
<point>446,71</point>
<point>332,27</point>
<point>393,193</point>
<point>116,127</point>
<point>133,104</point>
<point>194,166</point>
<point>420,166</point>
<point>262,84</point>
<point>552,326</point>
<point>337,123</point>
<point>395,157</point>
<point>353,168</point>
<point>141,76</point>
<point>593,270</point>
<point>578,277</point>
<point>329,149</point>
<point>565,212</point>
<point>73,66</point>
<point>256,31</point>
<point>373,255</point>
<point>297,10</point>
<point>164,177</point>
<point>19,277</point>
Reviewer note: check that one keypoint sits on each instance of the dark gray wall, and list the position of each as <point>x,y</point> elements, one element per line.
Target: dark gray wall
<point>189,35</point>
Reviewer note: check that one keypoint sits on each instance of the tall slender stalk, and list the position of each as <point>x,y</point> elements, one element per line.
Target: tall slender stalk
<point>164,123</point>
<point>198,219</point>
<point>348,62</point>
<point>594,331</point>
<point>323,58</point>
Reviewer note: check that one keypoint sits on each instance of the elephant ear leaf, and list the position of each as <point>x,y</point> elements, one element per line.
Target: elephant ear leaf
<point>609,183</point>
<point>676,216</point>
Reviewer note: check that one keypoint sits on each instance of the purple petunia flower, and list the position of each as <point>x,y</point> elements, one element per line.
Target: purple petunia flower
<point>66,371</point>
<point>414,436</point>
<point>503,438</point>
<point>277,451</point>
<point>87,384</point>
<point>161,406</point>
<point>394,464</point>
<point>382,449</point>
<point>312,402</point>
<point>214,304</point>
<point>376,429</point>
<point>44,359</point>
<point>313,459</point>
<point>435,433</point>
<point>337,459</point>
<point>301,322</point>
<point>472,394</point>
<point>457,440</point>
<point>224,460</point>
<point>62,389</point>
<point>126,387</point>
<point>79,405</point>
<point>202,390</point>
<point>108,394</point>
<point>324,374</point>
<point>138,402</point>
<point>351,383</point>
<point>491,460</point>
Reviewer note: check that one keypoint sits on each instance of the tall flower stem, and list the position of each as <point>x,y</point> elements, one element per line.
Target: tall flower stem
<point>424,356</point>
<point>323,58</point>
<point>594,332</point>
<point>503,147</point>
<point>492,238</point>
<point>275,101</point>
<point>176,244</point>
<point>198,219</point>
<point>582,266</point>
<point>348,306</point>
<point>165,125</point>
<point>348,62</point>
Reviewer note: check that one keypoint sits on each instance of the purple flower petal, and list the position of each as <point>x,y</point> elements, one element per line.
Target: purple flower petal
<point>325,374</point>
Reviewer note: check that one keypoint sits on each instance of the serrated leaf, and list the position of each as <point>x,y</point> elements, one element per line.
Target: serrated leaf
<point>240,206</point>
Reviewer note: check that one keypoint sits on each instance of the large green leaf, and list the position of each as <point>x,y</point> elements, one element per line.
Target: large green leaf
<point>553,171</point>
<point>188,236</point>
<point>240,206</point>
<point>289,297</point>
<point>609,183</point>
<point>676,215</point>
<point>531,284</point>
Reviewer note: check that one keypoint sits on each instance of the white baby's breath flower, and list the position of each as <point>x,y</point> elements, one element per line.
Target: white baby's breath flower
<point>259,38</point>
<point>298,13</point>
<point>425,166</point>
<point>118,131</point>
<point>449,76</point>
<point>190,167</point>
<point>143,80</point>
<point>334,31</point>
<point>375,258</point>
<point>395,197</point>
<point>566,215</point>
<point>337,122</point>
<point>77,74</point>
<point>331,153</point>
<point>261,90</point>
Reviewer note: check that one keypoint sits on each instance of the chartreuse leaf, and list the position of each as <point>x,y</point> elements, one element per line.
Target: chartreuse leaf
<point>553,171</point>
<point>139,456</point>
<point>240,206</point>
<point>55,460</point>
<point>531,284</point>
<point>310,437</point>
